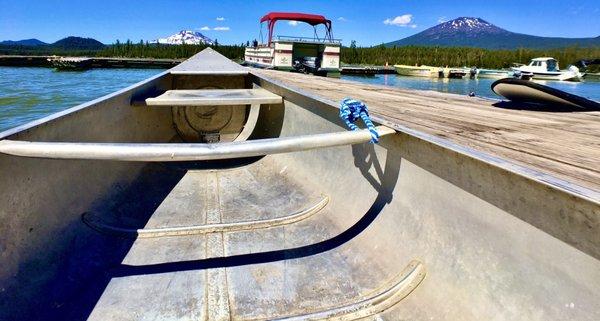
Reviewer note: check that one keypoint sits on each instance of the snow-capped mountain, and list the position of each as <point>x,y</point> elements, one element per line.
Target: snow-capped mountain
<point>467,25</point>
<point>476,32</point>
<point>186,36</point>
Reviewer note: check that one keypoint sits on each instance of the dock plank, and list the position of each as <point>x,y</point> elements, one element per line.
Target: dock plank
<point>563,144</point>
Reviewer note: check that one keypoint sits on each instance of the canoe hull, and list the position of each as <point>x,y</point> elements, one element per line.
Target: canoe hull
<point>414,228</point>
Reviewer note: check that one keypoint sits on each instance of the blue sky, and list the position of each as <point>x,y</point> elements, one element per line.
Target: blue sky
<point>237,21</point>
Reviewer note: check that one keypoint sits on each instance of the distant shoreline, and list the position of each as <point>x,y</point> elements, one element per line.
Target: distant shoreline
<point>95,62</point>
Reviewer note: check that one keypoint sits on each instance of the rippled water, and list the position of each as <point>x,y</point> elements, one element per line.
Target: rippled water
<point>481,87</point>
<point>27,94</point>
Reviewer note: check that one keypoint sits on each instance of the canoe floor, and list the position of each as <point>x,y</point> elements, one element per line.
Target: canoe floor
<point>240,275</point>
<point>563,144</point>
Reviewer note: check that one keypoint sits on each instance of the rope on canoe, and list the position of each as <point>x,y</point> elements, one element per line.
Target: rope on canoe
<point>351,110</point>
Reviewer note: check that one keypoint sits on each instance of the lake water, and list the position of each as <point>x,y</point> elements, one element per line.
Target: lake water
<point>27,94</point>
<point>481,87</point>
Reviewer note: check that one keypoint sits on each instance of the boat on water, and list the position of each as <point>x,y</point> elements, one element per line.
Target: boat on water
<point>456,73</point>
<point>431,72</point>
<point>546,68</point>
<point>209,192</point>
<point>318,55</point>
<point>595,76</point>
<point>418,71</point>
<point>70,63</point>
<point>519,90</point>
<point>493,73</point>
<point>590,68</point>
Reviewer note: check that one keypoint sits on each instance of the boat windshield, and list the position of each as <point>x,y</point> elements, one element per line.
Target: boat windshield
<point>552,65</point>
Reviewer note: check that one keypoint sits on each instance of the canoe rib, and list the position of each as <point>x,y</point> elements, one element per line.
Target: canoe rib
<point>97,224</point>
<point>185,152</point>
<point>384,298</point>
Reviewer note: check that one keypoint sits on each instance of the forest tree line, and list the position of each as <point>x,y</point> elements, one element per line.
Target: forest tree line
<point>378,55</point>
<point>353,55</point>
<point>154,50</point>
<point>460,56</point>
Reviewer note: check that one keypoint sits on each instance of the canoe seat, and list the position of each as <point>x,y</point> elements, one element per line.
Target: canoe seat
<point>212,97</point>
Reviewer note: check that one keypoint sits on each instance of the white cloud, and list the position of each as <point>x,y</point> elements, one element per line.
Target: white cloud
<point>342,19</point>
<point>293,23</point>
<point>401,21</point>
<point>221,28</point>
<point>220,19</point>
<point>205,28</point>
<point>442,19</point>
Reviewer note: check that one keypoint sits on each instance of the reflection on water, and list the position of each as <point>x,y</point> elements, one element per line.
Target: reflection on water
<point>481,87</point>
<point>27,94</point>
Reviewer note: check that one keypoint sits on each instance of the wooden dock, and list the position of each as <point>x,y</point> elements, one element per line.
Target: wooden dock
<point>563,144</point>
<point>96,62</point>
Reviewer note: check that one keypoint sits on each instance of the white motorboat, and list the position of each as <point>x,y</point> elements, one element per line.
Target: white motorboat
<point>493,73</point>
<point>456,73</point>
<point>418,71</point>
<point>546,68</point>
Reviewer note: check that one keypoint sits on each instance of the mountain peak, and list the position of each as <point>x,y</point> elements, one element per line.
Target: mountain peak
<point>79,43</point>
<point>476,32</point>
<point>468,22</point>
<point>186,36</point>
<point>466,25</point>
<point>24,42</point>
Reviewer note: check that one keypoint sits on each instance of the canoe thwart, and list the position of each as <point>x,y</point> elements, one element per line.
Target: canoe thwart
<point>152,152</point>
<point>212,97</point>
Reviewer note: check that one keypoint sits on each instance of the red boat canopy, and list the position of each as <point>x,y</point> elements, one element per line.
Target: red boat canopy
<point>311,19</point>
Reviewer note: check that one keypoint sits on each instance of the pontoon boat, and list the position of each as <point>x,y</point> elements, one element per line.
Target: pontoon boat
<point>319,54</point>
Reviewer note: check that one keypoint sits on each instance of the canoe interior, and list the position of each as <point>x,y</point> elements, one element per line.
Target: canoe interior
<point>406,229</point>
